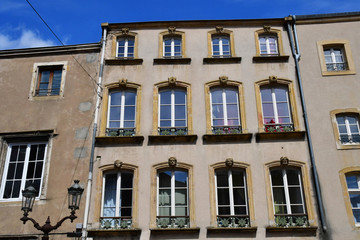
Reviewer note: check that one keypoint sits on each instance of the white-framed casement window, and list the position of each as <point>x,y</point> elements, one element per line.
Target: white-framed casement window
<point>172,111</point>
<point>172,47</point>
<point>24,166</point>
<point>276,108</point>
<point>117,199</point>
<point>125,47</point>
<point>220,46</point>
<point>353,186</point>
<point>334,59</point>
<point>268,45</point>
<point>172,198</point>
<point>225,109</point>
<point>348,126</point>
<point>122,113</point>
<point>287,192</point>
<point>231,198</point>
<point>49,81</point>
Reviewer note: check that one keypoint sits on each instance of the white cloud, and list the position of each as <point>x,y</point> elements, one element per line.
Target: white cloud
<point>10,6</point>
<point>27,39</point>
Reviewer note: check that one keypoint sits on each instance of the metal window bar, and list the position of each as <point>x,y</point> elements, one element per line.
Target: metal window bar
<point>336,67</point>
<point>291,220</point>
<point>176,131</point>
<point>173,221</point>
<point>279,127</point>
<point>47,92</point>
<point>116,222</point>
<point>120,132</point>
<point>226,129</point>
<point>353,138</point>
<point>233,221</point>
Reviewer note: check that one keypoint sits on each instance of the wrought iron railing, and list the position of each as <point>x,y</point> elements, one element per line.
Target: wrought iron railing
<point>226,129</point>
<point>291,220</point>
<point>115,222</point>
<point>280,127</point>
<point>177,131</point>
<point>336,67</point>
<point>47,92</point>
<point>353,138</point>
<point>233,221</point>
<point>122,132</point>
<point>173,221</point>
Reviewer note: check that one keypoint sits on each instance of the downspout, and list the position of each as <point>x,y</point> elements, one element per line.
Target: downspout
<point>91,165</point>
<point>296,53</point>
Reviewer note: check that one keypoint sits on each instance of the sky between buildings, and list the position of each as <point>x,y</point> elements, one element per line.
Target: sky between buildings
<point>78,21</point>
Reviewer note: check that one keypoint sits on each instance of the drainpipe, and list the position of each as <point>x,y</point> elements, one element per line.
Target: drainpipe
<point>91,165</point>
<point>296,53</point>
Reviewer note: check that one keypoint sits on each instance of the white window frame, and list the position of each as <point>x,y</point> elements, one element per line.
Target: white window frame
<point>274,102</point>
<point>122,107</point>
<point>172,107</point>
<point>126,47</point>
<point>286,191</point>
<point>221,45</point>
<point>267,42</point>
<point>224,104</point>
<point>348,130</point>
<point>172,45</point>
<point>333,57</point>
<point>24,173</point>
<point>354,191</point>
<point>118,189</point>
<point>231,192</point>
<point>172,191</point>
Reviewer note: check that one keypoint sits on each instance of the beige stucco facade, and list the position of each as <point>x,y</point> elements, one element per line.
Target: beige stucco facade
<point>62,121</point>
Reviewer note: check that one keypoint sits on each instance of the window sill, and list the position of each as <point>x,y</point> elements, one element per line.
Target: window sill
<point>113,232</point>
<point>224,60</point>
<point>231,230</point>
<point>310,231</point>
<point>269,59</point>
<point>163,61</point>
<point>341,146</point>
<point>338,73</point>
<point>175,230</point>
<point>171,139</point>
<point>133,140</point>
<point>227,138</point>
<point>124,61</point>
<point>45,98</point>
<point>295,135</point>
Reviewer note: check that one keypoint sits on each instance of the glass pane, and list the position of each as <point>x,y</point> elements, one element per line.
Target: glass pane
<point>8,188</point>
<point>114,124</point>
<point>129,113</point>
<point>297,209</point>
<point>352,120</point>
<point>216,96</point>
<point>342,129</point>
<point>180,112</point>
<point>16,189</point>
<point>224,210</point>
<point>115,98</point>
<point>165,179</point>
<point>239,196</point>
<point>217,111</point>
<point>223,196</point>
<point>180,96</point>
<point>240,211</point>
<point>232,111</point>
<point>165,97</point>
<point>130,98</point>
<point>165,112</point>
<point>180,179</point>
<point>30,170</point>
<point>238,178</point>
<point>14,153</point>
<point>180,196</point>
<point>276,178</point>
<point>354,129</point>
<point>225,40</point>
<point>165,123</point>
<point>222,178</point>
<point>295,195</point>
<point>356,213</point>
<point>19,170</point>
<point>351,181</point>
<point>55,89</point>
<point>355,200</point>
<point>126,180</point>
<point>181,211</point>
<point>164,211</point>
<point>281,94</point>
<point>218,122</point>
<point>279,195</point>
<point>164,197</point>
<point>129,124</point>
<point>125,212</point>
<point>22,153</point>
<point>180,123</point>
<point>110,195</point>
<point>41,151</point>
<point>233,122</point>
<point>283,109</point>
<point>115,113</point>
<point>11,171</point>
<point>126,198</point>
<point>292,177</point>
<point>231,96</point>
<point>38,171</point>
<point>216,40</point>
<point>280,209</point>
<point>268,110</point>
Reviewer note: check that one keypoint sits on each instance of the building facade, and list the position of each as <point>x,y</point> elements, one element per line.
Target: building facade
<point>47,109</point>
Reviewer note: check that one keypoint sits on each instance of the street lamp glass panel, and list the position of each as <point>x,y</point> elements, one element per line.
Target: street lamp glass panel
<point>28,198</point>
<point>74,195</point>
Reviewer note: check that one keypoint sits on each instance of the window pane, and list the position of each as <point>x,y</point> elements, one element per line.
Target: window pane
<point>125,212</point>
<point>115,98</point>
<point>224,210</point>
<point>342,129</point>
<point>130,98</point>
<point>110,195</point>
<point>126,198</point>
<point>355,200</point>
<point>218,123</point>
<point>276,178</point>
<point>240,211</point>
<point>115,113</point>
<point>281,94</point>
<point>181,211</point>
<point>129,113</point>
<point>268,110</point>
<point>180,123</point>
<point>239,196</point>
<point>165,112</point>
<point>280,209</point>
<point>279,195</point>
<point>223,196</point>
<point>165,97</point>
<point>295,195</point>
<point>216,96</point>
<point>180,197</point>
<point>266,94</point>
<point>164,211</point>
<point>11,171</point>
<point>356,213</point>
<point>180,179</point>
<point>126,180</point>
<point>165,123</point>
<point>55,89</point>
<point>231,96</point>
<point>292,177</point>
<point>354,129</point>
<point>217,111</point>
<point>297,209</point>
<point>352,119</point>
<point>238,178</point>
<point>283,109</point>
<point>165,179</point>
<point>164,197</point>
<point>180,96</point>
<point>233,111</point>
<point>222,178</point>
<point>180,112</point>
<point>351,181</point>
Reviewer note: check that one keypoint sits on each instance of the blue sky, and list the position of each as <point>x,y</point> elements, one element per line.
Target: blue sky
<point>78,21</point>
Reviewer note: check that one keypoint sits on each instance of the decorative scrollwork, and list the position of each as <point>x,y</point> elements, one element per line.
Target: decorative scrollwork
<point>219,29</point>
<point>124,31</point>
<point>267,28</point>
<point>172,29</point>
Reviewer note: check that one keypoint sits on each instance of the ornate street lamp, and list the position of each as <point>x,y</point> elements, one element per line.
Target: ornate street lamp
<point>29,195</point>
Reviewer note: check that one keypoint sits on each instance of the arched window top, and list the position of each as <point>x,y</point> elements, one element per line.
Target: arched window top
<point>220,43</point>
<point>268,42</point>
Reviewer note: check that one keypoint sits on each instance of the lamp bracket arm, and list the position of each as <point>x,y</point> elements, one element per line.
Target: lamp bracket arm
<point>36,224</point>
